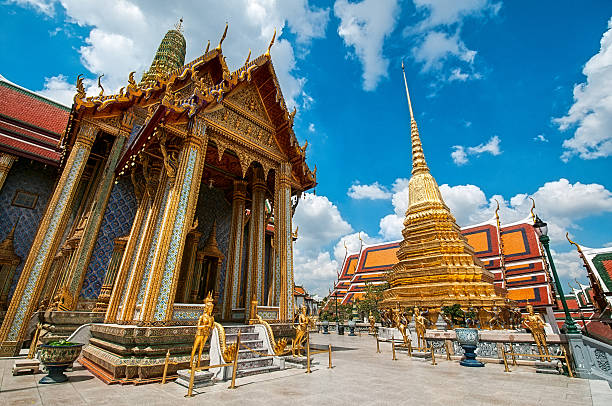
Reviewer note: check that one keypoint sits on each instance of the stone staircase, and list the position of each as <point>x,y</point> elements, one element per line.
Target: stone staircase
<point>249,363</point>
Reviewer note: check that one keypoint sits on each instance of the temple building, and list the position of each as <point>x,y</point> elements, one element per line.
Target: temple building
<point>31,126</point>
<point>182,184</point>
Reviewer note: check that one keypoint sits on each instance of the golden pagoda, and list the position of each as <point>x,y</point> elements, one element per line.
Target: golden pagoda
<point>437,266</point>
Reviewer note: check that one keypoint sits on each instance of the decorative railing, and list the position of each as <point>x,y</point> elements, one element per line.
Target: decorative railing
<point>592,358</point>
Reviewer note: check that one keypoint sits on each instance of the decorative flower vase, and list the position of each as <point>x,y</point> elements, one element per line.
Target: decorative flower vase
<point>325,325</point>
<point>468,339</point>
<point>352,325</point>
<point>56,358</point>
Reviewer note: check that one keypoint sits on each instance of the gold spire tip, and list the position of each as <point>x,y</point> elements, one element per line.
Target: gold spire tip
<point>223,36</point>
<point>407,93</point>
<point>179,25</point>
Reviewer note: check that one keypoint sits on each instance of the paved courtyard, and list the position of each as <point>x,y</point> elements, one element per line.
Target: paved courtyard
<point>360,377</point>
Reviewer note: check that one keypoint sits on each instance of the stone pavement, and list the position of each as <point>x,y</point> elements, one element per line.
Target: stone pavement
<point>359,377</point>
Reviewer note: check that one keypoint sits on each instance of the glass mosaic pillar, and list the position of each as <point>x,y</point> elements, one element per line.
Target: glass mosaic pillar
<point>46,242</point>
<point>234,254</point>
<point>111,274</point>
<point>257,230</point>
<point>6,162</point>
<point>284,244</point>
<point>179,212</point>
<point>80,260</point>
<point>185,284</point>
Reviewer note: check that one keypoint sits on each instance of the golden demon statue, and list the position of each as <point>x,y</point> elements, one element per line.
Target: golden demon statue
<point>535,324</point>
<point>495,320</point>
<point>372,321</point>
<point>300,332</point>
<point>419,327</point>
<point>400,323</point>
<point>205,326</point>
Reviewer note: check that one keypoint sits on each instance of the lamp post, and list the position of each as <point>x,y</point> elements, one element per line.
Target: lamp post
<point>541,229</point>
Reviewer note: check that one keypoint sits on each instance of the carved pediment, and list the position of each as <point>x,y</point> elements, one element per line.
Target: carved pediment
<point>234,122</point>
<point>247,99</point>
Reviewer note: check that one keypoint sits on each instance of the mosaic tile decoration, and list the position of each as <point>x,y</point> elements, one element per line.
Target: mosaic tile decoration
<point>212,206</point>
<point>35,178</point>
<point>117,222</point>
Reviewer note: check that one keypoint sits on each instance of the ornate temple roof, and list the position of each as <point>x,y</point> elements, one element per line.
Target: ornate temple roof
<point>31,125</point>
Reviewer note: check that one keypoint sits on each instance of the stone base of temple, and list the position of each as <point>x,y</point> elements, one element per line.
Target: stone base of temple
<point>58,325</point>
<point>201,379</point>
<point>133,355</point>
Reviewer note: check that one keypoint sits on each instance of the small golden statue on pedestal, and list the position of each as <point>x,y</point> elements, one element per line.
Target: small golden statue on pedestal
<point>205,326</point>
<point>372,321</point>
<point>400,323</point>
<point>300,332</point>
<point>535,324</point>
<point>419,327</point>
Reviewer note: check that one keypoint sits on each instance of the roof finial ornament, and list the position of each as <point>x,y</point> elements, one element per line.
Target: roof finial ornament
<point>271,43</point>
<point>248,58</point>
<point>223,36</point>
<point>100,85</point>
<point>407,93</point>
<point>80,94</point>
<point>207,47</point>
<point>533,216</point>
<point>179,25</point>
<point>573,243</point>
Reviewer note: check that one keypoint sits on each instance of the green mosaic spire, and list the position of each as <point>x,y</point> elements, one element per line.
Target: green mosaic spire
<point>169,56</point>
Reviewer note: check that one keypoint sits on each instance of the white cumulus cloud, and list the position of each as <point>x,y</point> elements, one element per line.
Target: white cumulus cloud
<point>375,191</point>
<point>364,26</point>
<point>591,113</point>
<point>460,153</point>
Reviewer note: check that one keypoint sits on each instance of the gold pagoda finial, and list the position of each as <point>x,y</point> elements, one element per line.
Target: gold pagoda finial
<point>271,43</point>
<point>533,216</point>
<point>207,47</point>
<point>179,25</point>
<point>248,58</point>
<point>419,165</point>
<point>223,36</point>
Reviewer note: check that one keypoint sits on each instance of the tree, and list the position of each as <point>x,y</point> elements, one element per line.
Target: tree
<point>370,301</point>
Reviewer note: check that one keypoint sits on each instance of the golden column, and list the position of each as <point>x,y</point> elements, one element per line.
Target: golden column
<point>284,247</point>
<point>140,268</point>
<point>6,162</point>
<point>257,229</point>
<point>46,242</point>
<point>129,260</point>
<point>183,292</point>
<point>80,259</point>
<point>234,255</point>
<point>178,219</point>
<point>111,274</point>
<point>197,274</point>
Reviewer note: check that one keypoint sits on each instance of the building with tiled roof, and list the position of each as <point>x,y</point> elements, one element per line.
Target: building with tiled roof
<point>31,126</point>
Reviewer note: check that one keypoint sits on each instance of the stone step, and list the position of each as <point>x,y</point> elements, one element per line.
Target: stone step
<point>249,363</point>
<point>247,354</point>
<point>256,370</point>
<point>232,330</point>
<point>243,337</point>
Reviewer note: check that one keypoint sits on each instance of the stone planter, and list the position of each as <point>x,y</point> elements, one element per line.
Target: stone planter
<point>468,339</point>
<point>351,325</point>
<point>340,328</point>
<point>56,358</point>
<point>325,325</point>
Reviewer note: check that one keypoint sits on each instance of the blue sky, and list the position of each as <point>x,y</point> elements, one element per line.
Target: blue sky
<point>511,97</point>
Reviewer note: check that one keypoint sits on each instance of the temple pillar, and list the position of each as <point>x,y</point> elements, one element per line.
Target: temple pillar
<point>177,221</point>
<point>184,287</point>
<point>111,274</point>
<point>6,162</point>
<point>234,254</point>
<point>257,232</point>
<point>284,243</point>
<point>82,255</point>
<point>46,242</point>
<point>128,261</point>
<point>9,261</point>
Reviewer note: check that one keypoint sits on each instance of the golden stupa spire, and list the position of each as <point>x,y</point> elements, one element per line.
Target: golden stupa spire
<point>419,164</point>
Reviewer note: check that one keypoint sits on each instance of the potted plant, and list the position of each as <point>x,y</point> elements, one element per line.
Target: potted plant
<point>325,322</point>
<point>56,356</point>
<point>352,321</point>
<point>467,336</point>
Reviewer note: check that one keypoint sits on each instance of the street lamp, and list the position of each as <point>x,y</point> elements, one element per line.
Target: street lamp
<point>541,229</point>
